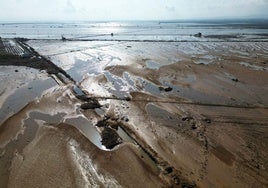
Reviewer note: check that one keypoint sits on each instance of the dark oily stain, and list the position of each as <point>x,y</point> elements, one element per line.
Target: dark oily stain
<point>224,155</point>
<point>90,105</point>
<point>110,138</point>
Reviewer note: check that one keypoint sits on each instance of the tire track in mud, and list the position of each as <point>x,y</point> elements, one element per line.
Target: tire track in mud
<point>202,133</point>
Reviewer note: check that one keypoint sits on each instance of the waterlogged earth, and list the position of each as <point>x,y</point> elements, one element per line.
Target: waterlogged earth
<point>133,114</point>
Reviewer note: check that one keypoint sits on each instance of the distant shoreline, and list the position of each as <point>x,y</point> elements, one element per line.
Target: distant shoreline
<point>216,20</point>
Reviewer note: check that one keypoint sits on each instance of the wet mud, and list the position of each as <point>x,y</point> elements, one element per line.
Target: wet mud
<point>135,114</point>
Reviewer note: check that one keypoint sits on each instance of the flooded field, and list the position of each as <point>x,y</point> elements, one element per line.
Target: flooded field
<point>123,113</point>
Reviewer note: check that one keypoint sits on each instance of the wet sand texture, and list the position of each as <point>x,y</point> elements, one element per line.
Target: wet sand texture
<point>135,114</point>
<point>62,153</point>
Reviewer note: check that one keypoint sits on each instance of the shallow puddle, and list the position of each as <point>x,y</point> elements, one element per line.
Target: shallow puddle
<point>152,65</point>
<point>120,88</point>
<point>125,136</point>
<point>87,128</point>
<point>22,96</point>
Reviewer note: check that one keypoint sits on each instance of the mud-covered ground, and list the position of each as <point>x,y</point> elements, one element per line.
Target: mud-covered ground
<point>133,114</point>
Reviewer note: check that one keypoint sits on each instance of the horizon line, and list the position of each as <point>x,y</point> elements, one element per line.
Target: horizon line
<point>138,20</point>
